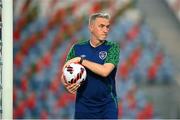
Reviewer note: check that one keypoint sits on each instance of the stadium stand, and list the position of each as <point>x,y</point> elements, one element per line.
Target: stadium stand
<point>43,34</point>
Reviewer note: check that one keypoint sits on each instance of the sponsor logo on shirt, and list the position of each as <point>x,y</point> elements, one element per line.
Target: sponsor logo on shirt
<point>83,56</point>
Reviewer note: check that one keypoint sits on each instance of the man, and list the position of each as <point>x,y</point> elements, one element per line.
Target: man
<point>96,97</point>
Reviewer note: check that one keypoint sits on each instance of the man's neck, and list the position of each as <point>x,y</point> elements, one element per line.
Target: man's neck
<point>95,43</point>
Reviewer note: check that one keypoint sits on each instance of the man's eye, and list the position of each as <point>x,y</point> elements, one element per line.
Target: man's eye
<point>101,26</point>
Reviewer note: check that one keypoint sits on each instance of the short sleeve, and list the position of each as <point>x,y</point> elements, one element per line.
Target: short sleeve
<point>113,54</point>
<point>71,54</point>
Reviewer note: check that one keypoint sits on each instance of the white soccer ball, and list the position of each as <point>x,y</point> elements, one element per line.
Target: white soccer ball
<point>74,73</point>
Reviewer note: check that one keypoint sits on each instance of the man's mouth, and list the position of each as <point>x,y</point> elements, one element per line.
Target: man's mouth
<point>104,34</point>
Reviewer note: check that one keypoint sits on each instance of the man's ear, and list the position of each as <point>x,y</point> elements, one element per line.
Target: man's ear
<point>90,26</point>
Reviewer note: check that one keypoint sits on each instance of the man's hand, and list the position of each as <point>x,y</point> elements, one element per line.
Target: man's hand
<point>72,88</point>
<point>74,60</point>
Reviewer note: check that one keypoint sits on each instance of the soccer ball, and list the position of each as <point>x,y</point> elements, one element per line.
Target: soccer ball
<point>74,73</point>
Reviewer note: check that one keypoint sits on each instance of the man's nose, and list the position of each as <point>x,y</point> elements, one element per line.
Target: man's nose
<point>106,30</point>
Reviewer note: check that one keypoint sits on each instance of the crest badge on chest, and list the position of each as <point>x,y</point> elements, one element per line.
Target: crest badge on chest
<point>102,55</point>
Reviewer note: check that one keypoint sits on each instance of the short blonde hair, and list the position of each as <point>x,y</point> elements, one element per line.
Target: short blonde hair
<point>98,15</point>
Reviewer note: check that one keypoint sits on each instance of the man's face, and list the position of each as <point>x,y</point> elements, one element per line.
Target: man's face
<point>100,28</point>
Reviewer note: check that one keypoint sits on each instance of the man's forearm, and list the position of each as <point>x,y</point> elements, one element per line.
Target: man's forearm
<point>102,70</point>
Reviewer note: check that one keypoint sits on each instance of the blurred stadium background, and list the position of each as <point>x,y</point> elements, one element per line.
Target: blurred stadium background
<point>148,73</point>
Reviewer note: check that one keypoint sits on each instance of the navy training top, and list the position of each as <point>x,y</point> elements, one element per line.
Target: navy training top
<point>96,91</point>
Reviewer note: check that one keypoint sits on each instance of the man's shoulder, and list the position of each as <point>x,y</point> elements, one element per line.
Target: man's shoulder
<point>112,43</point>
<point>81,42</point>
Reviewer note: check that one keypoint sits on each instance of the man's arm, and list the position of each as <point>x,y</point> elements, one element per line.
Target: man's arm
<point>102,70</point>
